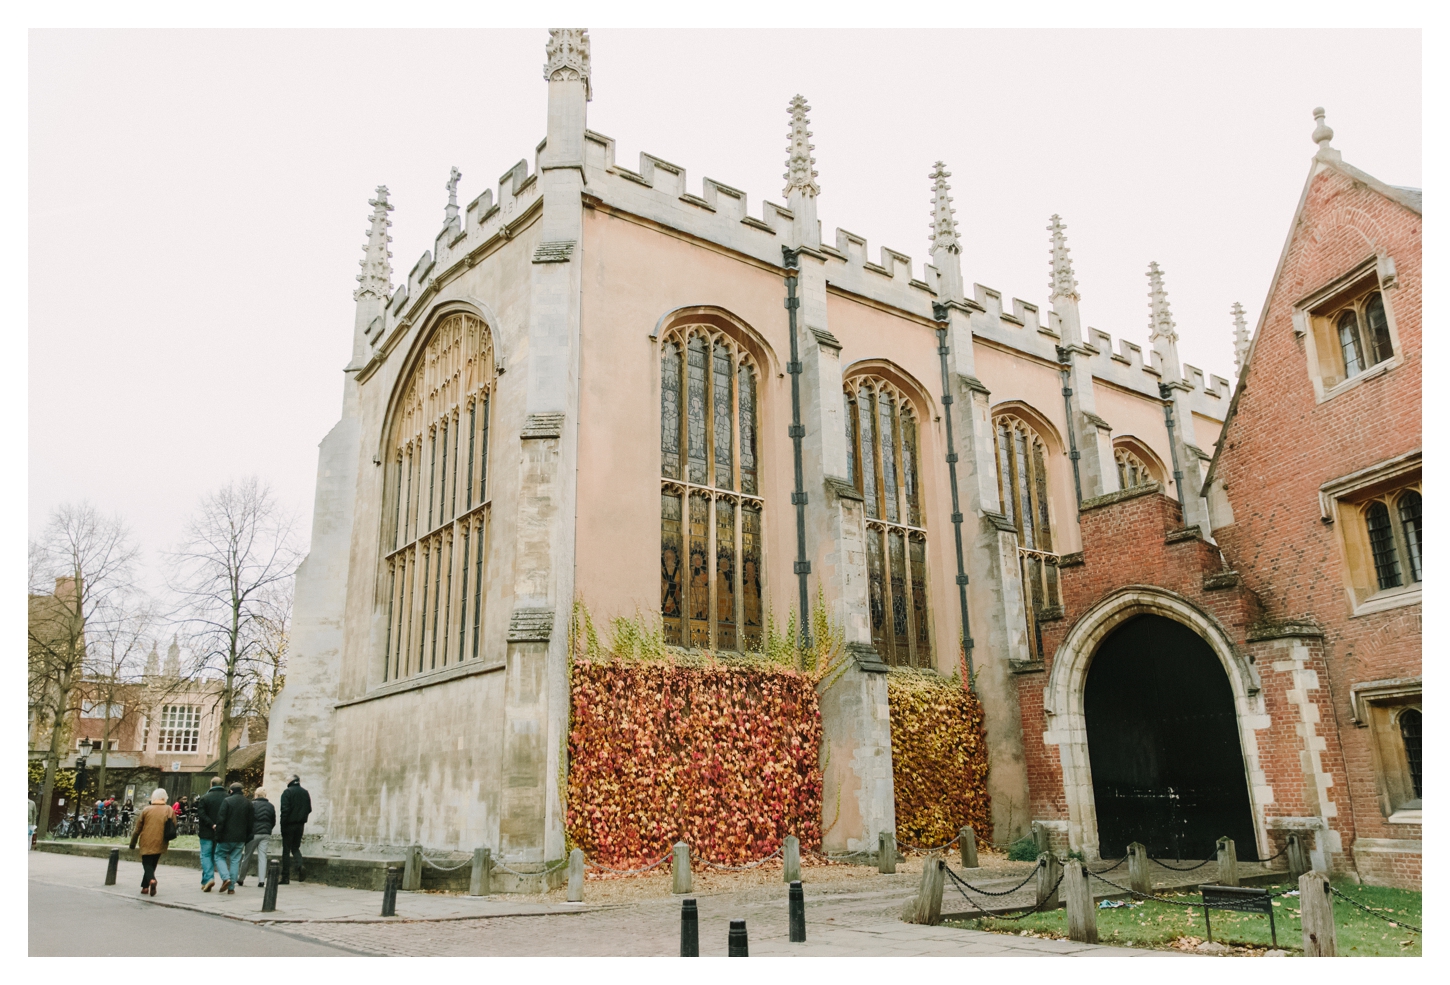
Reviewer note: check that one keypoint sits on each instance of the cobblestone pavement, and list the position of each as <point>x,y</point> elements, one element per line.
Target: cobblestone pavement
<point>845,916</point>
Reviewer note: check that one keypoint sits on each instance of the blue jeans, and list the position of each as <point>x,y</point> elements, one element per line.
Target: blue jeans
<point>208,861</point>
<point>229,859</point>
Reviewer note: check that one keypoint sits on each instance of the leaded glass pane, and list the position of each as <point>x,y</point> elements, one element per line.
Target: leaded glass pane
<point>432,474</point>
<point>908,469</point>
<point>900,603</point>
<point>868,452</point>
<point>1349,344</point>
<point>477,588</point>
<point>1379,328</point>
<point>672,555</point>
<point>398,508</point>
<point>1410,525</point>
<point>750,576</point>
<point>723,401</point>
<point>1004,470</point>
<point>463,600</point>
<point>1382,545</point>
<point>1411,722</point>
<point>1026,519</point>
<point>408,499</point>
<point>876,583</point>
<point>453,482</point>
<point>695,399</point>
<point>1044,527</point>
<point>698,605</point>
<point>918,601</point>
<point>472,435</point>
<point>392,597</point>
<point>443,478</point>
<point>423,612</point>
<point>888,456</point>
<point>448,604</point>
<point>437,605</point>
<point>483,454</point>
<point>670,411</point>
<point>725,575</point>
<point>748,478</point>
<point>851,469</point>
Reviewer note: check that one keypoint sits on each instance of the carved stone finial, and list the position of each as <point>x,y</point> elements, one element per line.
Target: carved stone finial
<point>1160,319</point>
<point>1241,339</point>
<point>450,212</point>
<point>800,172</point>
<point>376,279</point>
<point>943,226</point>
<point>567,57</point>
<point>1322,132</point>
<point>1063,282</point>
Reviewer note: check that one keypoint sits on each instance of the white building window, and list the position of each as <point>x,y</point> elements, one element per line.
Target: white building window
<point>180,728</point>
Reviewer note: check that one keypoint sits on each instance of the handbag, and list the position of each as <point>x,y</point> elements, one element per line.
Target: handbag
<point>170,833</point>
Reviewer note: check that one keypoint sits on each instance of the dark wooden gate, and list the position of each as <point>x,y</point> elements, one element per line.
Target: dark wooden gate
<point>1163,741</point>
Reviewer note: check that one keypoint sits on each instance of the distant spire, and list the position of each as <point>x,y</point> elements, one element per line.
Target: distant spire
<point>1322,132</point>
<point>1161,326</point>
<point>173,659</point>
<point>1062,283</point>
<point>567,57</point>
<point>376,279</point>
<point>800,173</point>
<point>1160,318</point>
<point>1241,339</point>
<point>153,662</point>
<point>450,212</point>
<point>943,226</point>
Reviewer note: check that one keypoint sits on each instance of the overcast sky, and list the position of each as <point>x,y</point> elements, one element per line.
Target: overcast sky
<point>198,199</point>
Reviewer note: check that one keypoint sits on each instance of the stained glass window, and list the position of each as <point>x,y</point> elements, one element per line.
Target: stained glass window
<point>883,461</point>
<point>446,390</point>
<point>710,511</point>
<point>1022,478</point>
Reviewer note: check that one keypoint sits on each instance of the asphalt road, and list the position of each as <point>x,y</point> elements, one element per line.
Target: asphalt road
<point>71,921</point>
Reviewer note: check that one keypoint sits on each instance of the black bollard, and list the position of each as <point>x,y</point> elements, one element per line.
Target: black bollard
<point>689,929</point>
<point>797,913</point>
<point>739,942</point>
<point>390,890</point>
<point>111,864</point>
<point>274,875</point>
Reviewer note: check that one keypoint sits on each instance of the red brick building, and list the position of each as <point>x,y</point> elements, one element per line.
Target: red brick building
<point>1258,673</point>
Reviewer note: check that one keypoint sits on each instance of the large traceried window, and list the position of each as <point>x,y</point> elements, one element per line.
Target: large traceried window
<point>436,524</point>
<point>1132,470</point>
<point>711,540</point>
<point>883,456</point>
<point>180,728</point>
<point>1022,482</point>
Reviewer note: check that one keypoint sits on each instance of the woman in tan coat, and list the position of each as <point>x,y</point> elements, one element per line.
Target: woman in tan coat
<point>153,832</point>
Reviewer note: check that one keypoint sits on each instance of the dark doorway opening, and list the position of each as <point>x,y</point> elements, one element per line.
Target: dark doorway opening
<point>1163,742</point>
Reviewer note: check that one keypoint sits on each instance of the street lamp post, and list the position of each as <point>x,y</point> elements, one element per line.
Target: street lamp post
<point>85,752</point>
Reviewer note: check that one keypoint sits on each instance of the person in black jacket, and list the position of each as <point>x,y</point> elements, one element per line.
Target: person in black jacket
<point>296,806</point>
<point>233,831</point>
<point>207,806</point>
<point>264,819</point>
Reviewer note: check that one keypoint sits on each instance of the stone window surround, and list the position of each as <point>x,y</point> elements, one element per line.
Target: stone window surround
<point>1375,273</point>
<point>1338,496</point>
<point>1066,722</point>
<point>1374,705</point>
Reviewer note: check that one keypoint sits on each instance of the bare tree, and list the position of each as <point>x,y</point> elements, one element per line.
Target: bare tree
<point>238,554</point>
<point>112,680</point>
<point>267,671</point>
<point>80,570</point>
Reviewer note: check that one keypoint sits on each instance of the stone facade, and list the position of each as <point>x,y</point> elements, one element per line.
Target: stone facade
<point>1274,569</point>
<point>580,271</point>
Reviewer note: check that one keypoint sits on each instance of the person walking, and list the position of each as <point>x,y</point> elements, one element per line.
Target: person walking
<point>264,819</point>
<point>296,806</point>
<point>155,829</point>
<point>30,834</point>
<point>208,806</point>
<point>233,829</point>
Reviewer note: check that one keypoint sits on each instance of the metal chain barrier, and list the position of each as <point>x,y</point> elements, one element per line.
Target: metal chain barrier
<point>1374,913</point>
<point>741,868</point>
<point>432,864</point>
<point>500,867</point>
<point>959,883</point>
<point>988,892</point>
<point>1176,868</point>
<point>938,848</point>
<point>1108,869</point>
<point>630,872</point>
<point>839,858</point>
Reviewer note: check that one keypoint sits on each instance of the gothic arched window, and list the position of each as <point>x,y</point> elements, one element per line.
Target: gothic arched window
<point>1022,482</point>
<point>711,542</point>
<point>1132,470</point>
<point>437,527</point>
<point>1410,722</point>
<point>883,461</point>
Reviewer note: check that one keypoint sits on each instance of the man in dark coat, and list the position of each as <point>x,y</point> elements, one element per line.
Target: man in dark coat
<point>264,819</point>
<point>233,830</point>
<point>296,806</point>
<point>208,806</point>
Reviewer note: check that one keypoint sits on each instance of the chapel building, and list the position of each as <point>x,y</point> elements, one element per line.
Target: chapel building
<point>609,385</point>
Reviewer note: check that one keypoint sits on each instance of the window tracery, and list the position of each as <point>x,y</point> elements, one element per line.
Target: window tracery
<point>431,545</point>
<point>710,505</point>
<point>1023,482</point>
<point>883,457</point>
<point>1132,470</point>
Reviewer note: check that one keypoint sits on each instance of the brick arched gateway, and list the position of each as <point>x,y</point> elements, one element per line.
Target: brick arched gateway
<point>1065,714</point>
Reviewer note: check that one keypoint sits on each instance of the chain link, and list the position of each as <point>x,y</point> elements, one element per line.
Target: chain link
<point>1374,913</point>
<point>742,868</point>
<point>630,872</point>
<point>959,883</point>
<point>989,892</point>
<point>938,848</point>
<point>1176,868</point>
<point>432,864</point>
<point>1108,869</point>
